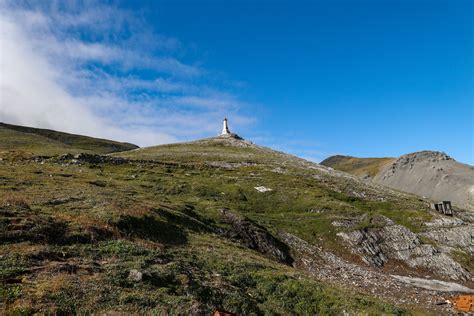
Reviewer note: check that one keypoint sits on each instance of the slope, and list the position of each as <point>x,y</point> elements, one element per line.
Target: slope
<point>187,229</point>
<point>362,167</point>
<point>44,141</point>
<point>430,174</point>
<point>303,198</point>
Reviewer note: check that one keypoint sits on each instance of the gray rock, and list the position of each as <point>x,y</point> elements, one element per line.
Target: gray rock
<point>460,236</point>
<point>445,221</point>
<point>135,276</point>
<point>377,246</point>
<point>431,174</point>
<point>255,237</point>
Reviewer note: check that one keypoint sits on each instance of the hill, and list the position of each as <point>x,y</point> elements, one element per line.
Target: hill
<point>219,224</point>
<point>362,167</point>
<point>434,175</point>
<point>45,141</point>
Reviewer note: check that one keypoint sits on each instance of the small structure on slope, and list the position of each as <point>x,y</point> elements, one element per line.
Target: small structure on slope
<point>444,207</point>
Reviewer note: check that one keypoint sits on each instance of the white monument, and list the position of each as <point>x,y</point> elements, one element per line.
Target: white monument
<point>225,128</point>
<point>226,133</point>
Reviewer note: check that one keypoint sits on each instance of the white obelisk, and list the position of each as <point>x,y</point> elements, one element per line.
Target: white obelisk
<point>225,127</point>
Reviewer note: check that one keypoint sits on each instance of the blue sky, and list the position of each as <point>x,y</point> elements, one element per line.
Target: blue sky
<point>362,78</point>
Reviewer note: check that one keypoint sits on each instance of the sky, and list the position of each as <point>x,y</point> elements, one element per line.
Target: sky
<point>367,78</point>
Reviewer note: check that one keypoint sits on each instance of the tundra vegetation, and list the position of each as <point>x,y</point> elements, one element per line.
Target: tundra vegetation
<point>143,230</point>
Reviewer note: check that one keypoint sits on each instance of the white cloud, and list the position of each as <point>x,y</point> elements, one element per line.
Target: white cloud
<point>51,77</point>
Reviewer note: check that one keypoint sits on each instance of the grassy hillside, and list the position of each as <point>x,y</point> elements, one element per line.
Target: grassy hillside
<point>147,234</point>
<point>45,141</point>
<point>232,172</point>
<point>357,166</point>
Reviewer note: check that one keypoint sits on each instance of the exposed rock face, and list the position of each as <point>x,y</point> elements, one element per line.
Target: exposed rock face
<point>368,244</point>
<point>256,237</point>
<point>377,246</point>
<point>431,174</point>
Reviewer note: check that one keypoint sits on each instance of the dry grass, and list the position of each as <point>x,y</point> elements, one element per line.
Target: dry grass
<point>358,166</point>
<point>9,199</point>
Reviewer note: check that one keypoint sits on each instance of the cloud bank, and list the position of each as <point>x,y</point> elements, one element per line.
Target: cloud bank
<point>96,70</point>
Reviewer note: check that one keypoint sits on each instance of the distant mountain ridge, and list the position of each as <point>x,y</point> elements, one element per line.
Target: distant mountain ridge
<point>431,174</point>
<point>44,140</point>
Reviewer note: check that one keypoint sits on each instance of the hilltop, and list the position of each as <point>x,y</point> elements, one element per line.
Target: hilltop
<point>433,175</point>
<point>218,224</point>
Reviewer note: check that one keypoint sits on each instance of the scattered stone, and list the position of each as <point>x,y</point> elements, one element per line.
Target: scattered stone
<point>346,223</point>
<point>90,158</point>
<point>263,189</point>
<point>135,275</point>
<point>317,210</point>
<point>460,236</point>
<point>445,221</point>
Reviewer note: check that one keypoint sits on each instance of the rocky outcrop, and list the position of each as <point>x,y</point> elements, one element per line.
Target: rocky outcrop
<point>255,237</point>
<point>377,246</point>
<point>92,158</point>
<point>331,268</point>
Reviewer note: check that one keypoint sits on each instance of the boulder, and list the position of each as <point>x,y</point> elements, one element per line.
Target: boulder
<point>135,276</point>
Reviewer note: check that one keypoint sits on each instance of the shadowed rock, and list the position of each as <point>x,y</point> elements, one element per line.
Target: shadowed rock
<point>255,237</point>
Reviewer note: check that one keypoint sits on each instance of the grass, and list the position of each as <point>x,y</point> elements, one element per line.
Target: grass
<point>358,166</point>
<point>162,218</point>
<point>44,141</point>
